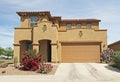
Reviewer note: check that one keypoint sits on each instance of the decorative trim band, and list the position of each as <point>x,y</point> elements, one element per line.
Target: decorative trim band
<point>35,44</point>
<point>53,43</point>
<point>16,44</point>
<point>80,41</point>
<point>23,28</point>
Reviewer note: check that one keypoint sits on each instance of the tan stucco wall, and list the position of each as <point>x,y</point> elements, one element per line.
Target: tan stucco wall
<point>87,35</point>
<point>54,53</point>
<point>17,52</point>
<point>22,34</point>
<point>25,22</point>
<point>51,33</point>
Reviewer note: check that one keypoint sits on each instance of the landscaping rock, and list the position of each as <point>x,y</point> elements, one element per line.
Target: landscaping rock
<point>3,72</point>
<point>4,65</point>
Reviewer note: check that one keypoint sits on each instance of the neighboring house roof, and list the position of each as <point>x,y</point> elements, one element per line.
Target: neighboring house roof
<point>115,43</point>
<point>115,46</point>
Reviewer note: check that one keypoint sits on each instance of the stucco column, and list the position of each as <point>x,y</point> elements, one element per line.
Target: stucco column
<point>36,47</point>
<point>17,52</point>
<point>54,53</point>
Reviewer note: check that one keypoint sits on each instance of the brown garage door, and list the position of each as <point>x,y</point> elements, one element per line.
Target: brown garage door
<point>80,52</point>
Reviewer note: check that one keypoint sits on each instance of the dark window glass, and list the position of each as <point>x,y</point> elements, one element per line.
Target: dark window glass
<point>33,21</point>
<point>78,25</point>
<point>29,47</point>
<point>88,25</point>
<point>69,26</point>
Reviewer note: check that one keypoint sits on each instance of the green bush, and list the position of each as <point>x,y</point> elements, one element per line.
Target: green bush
<point>116,59</point>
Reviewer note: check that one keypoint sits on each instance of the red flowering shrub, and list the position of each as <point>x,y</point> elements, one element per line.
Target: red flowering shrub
<point>32,61</point>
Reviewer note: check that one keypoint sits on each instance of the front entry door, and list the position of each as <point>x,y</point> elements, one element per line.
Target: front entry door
<point>45,50</point>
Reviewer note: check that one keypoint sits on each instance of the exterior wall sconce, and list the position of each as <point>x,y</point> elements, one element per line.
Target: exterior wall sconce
<point>44,28</point>
<point>80,33</point>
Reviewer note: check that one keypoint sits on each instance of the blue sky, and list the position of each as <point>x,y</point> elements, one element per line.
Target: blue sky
<point>108,11</point>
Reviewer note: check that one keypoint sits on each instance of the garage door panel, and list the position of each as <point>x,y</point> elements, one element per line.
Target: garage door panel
<point>77,52</point>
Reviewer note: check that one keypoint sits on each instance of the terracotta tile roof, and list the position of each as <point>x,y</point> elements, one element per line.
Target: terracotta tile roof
<point>80,20</point>
<point>29,13</point>
<point>33,13</point>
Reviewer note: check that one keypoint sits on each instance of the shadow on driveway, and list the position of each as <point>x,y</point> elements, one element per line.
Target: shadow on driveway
<point>112,68</point>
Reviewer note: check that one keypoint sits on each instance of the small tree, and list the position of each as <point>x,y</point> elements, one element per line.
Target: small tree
<point>1,51</point>
<point>8,52</point>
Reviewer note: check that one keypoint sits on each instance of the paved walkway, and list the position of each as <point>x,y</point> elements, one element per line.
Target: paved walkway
<point>72,72</point>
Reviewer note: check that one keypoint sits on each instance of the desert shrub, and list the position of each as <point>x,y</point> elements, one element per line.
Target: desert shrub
<point>45,68</point>
<point>107,55</point>
<point>116,59</point>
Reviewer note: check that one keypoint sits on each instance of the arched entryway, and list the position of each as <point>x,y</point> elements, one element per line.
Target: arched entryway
<point>25,45</point>
<point>45,50</point>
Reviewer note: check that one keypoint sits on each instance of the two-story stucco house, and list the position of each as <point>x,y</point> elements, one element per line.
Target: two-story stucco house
<point>59,40</point>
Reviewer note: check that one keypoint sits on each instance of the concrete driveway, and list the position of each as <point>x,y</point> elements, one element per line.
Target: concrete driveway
<point>72,72</point>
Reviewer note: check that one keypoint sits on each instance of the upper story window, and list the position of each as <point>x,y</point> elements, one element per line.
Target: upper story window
<point>88,25</point>
<point>33,21</point>
<point>69,26</point>
<point>78,25</point>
